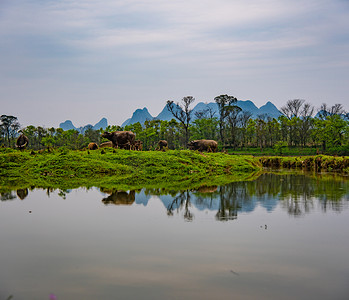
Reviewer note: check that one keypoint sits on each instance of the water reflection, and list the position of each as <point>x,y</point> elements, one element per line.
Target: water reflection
<point>298,194</point>
<point>118,197</point>
<point>22,193</point>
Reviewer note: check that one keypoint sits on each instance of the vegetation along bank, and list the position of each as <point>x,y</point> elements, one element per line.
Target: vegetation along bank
<point>316,163</point>
<point>125,169</point>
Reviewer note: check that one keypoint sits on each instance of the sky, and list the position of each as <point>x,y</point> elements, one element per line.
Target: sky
<point>82,60</point>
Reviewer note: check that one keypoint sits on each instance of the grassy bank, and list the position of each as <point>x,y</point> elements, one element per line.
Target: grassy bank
<point>317,163</point>
<point>121,168</point>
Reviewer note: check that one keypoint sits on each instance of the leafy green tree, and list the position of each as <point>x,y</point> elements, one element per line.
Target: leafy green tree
<point>204,129</point>
<point>9,127</point>
<point>261,132</point>
<point>233,113</point>
<point>273,131</point>
<point>331,132</point>
<point>244,118</point>
<point>92,135</point>
<point>183,114</point>
<point>251,133</point>
<point>48,141</point>
<point>306,123</point>
<point>223,102</point>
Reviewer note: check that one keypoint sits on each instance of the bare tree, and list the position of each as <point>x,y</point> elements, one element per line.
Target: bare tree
<point>183,113</point>
<point>292,108</point>
<point>306,115</point>
<point>201,114</point>
<point>326,111</point>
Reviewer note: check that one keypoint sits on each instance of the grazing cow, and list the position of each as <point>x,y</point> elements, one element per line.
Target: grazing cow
<point>22,142</point>
<point>138,146</point>
<point>106,145</point>
<point>162,145</point>
<point>121,139</point>
<point>203,145</point>
<point>92,146</point>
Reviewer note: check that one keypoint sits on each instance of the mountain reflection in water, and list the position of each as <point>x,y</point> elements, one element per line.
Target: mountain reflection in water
<point>108,243</point>
<point>295,193</point>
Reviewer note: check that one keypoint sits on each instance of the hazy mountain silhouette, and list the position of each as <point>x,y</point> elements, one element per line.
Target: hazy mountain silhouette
<point>141,115</point>
<point>267,110</point>
<point>67,125</point>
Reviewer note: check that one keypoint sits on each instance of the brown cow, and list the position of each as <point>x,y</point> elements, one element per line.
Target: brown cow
<point>121,139</point>
<point>120,198</point>
<point>162,145</point>
<point>203,145</point>
<point>92,146</point>
<point>106,145</point>
<point>138,146</point>
<point>22,142</point>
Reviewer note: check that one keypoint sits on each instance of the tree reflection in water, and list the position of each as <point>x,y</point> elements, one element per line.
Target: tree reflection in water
<point>180,202</point>
<point>298,194</point>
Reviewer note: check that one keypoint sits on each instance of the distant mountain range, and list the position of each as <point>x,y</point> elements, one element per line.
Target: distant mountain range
<point>142,115</point>
<point>67,125</point>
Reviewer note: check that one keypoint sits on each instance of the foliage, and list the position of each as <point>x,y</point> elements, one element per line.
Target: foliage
<point>316,163</point>
<point>236,131</point>
<point>120,167</point>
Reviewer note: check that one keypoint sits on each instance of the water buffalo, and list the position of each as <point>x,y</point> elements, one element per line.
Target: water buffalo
<point>92,146</point>
<point>138,146</point>
<point>22,193</point>
<point>120,198</point>
<point>121,139</point>
<point>203,145</point>
<point>22,142</point>
<point>162,145</point>
<point>106,145</point>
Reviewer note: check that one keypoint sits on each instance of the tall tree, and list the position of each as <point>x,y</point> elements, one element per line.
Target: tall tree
<point>10,126</point>
<point>183,113</point>
<point>223,102</point>
<point>326,111</point>
<point>306,113</point>
<point>292,108</point>
<point>244,119</point>
<point>234,120</point>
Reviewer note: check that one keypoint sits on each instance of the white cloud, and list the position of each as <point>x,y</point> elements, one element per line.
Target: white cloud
<point>114,45</point>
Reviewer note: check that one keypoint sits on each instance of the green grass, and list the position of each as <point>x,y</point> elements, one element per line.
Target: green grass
<point>287,151</point>
<point>316,163</point>
<point>122,169</point>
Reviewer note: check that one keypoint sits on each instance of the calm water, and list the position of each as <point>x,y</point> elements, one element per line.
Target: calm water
<point>279,237</point>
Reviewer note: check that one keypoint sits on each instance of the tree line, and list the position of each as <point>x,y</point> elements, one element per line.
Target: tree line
<point>233,128</point>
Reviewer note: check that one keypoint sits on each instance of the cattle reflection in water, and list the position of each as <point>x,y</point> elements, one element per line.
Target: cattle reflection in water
<point>22,193</point>
<point>119,197</point>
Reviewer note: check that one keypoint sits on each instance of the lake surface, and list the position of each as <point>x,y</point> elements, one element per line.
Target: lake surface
<point>279,237</point>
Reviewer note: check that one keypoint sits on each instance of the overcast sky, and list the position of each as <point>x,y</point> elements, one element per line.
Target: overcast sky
<point>86,59</point>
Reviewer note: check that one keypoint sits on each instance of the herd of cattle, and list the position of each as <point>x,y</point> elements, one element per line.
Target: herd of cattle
<point>127,140</point>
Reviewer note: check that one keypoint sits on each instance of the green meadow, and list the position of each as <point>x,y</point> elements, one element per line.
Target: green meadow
<point>122,169</point>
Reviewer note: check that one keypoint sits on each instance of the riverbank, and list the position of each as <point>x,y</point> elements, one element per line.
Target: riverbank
<point>122,168</point>
<point>316,163</point>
